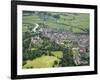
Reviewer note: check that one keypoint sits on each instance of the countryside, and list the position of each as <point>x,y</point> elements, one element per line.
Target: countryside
<point>55,39</point>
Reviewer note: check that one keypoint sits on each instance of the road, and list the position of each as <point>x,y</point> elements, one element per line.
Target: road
<point>36,26</point>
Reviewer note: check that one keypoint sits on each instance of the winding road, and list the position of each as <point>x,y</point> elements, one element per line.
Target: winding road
<point>35,28</point>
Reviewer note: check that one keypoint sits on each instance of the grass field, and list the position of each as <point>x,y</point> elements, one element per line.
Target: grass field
<point>41,62</point>
<point>69,22</point>
<point>57,54</point>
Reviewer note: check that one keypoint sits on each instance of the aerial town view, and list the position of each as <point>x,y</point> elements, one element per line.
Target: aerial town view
<point>55,39</point>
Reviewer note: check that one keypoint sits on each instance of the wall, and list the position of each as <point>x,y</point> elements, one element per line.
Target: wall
<point>5,40</point>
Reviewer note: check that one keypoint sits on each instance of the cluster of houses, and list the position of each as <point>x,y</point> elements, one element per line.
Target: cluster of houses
<point>82,39</point>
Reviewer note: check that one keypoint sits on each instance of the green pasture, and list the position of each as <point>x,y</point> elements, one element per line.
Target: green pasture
<point>41,62</point>
<point>69,22</point>
<point>58,54</point>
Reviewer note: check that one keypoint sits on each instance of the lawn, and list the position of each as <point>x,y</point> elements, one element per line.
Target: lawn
<point>41,62</point>
<point>57,54</point>
<point>33,49</point>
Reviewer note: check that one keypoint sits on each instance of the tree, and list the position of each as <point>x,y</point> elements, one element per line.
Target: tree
<point>56,17</point>
<point>55,63</point>
<point>67,59</point>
